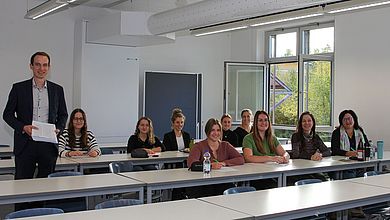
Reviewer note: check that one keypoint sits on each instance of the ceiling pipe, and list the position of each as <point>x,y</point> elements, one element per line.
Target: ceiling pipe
<point>211,12</point>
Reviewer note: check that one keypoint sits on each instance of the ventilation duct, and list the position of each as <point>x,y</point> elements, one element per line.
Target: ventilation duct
<point>211,12</point>
<point>124,29</point>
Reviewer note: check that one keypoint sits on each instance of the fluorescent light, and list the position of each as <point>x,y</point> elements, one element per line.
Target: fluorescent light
<point>358,7</point>
<point>220,31</point>
<point>287,19</point>
<point>45,8</point>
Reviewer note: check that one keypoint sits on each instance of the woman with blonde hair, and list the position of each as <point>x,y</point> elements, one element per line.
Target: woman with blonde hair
<point>177,139</point>
<point>144,138</point>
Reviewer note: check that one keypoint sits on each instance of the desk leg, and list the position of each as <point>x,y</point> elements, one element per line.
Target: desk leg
<point>141,194</point>
<point>81,169</point>
<point>282,180</point>
<point>148,195</point>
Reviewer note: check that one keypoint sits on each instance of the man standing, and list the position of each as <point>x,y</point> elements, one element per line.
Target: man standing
<point>36,99</point>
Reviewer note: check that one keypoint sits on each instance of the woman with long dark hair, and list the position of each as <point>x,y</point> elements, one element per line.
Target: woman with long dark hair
<point>261,145</point>
<point>77,140</point>
<point>346,137</point>
<point>306,144</point>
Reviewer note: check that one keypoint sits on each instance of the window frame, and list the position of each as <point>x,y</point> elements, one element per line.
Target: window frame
<point>300,58</point>
<point>226,87</point>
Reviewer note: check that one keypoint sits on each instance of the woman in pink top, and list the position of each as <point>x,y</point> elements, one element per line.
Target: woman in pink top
<point>222,152</point>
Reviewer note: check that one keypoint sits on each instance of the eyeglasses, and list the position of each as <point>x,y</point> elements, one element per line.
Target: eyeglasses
<point>78,119</point>
<point>348,119</point>
<point>263,120</point>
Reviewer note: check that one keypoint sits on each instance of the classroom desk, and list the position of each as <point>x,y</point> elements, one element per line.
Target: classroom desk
<point>104,160</point>
<point>301,201</point>
<point>190,209</point>
<point>8,166</point>
<point>382,180</point>
<point>6,151</point>
<point>28,190</point>
<point>385,161</point>
<point>116,147</point>
<point>327,164</point>
<point>177,178</point>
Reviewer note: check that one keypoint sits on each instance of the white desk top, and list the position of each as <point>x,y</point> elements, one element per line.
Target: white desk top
<point>8,165</point>
<point>294,200</point>
<point>382,180</point>
<point>108,158</point>
<point>327,164</point>
<point>183,175</point>
<point>190,209</point>
<point>16,189</point>
<point>6,149</point>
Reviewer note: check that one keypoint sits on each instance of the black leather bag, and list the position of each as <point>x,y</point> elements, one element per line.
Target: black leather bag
<point>139,153</point>
<point>196,166</point>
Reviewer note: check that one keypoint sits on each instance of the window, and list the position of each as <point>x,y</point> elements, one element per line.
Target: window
<point>244,88</point>
<point>283,45</point>
<point>300,79</point>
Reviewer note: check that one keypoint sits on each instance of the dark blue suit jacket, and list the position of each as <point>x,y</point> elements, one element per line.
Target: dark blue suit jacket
<point>19,110</point>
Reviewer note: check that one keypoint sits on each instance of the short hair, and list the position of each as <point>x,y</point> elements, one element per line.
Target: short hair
<point>39,53</point>
<point>209,125</point>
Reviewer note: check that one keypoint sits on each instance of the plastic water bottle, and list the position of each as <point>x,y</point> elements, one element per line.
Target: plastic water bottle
<point>372,150</point>
<point>206,163</point>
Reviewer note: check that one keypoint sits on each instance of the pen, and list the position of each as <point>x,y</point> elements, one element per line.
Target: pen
<point>215,160</point>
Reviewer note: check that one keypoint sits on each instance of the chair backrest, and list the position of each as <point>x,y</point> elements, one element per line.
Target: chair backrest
<point>123,166</point>
<point>33,212</point>
<point>307,181</point>
<point>370,173</point>
<point>239,189</point>
<point>106,151</point>
<point>117,203</point>
<point>65,173</point>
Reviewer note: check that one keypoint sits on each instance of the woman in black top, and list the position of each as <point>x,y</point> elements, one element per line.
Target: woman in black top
<point>227,134</point>
<point>347,136</point>
<point>245,127</point>
<point>144,138</point>
<point>177,139</point>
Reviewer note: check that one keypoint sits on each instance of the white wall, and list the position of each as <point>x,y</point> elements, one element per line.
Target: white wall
<point>362,45</point>
<point>197,55</point>
<point>19,39</point>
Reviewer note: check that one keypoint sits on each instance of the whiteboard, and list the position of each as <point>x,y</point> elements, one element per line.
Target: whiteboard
<point>109,91</point>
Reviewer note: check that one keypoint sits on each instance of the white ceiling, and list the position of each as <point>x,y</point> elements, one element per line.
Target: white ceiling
<point>153,6</point>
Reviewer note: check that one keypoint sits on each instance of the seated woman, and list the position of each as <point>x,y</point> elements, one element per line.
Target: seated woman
<point>77,140</point>
<point>346,138</point>
<point>227,134</point>
<point>144,138</point>
<point>245,127</point>
<point>177,139</point>
<point>262,146</point>
<point>222,154</point>
<point>306,144</point>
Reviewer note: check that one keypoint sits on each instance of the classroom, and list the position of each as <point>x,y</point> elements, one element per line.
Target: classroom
<point>105,76</point>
